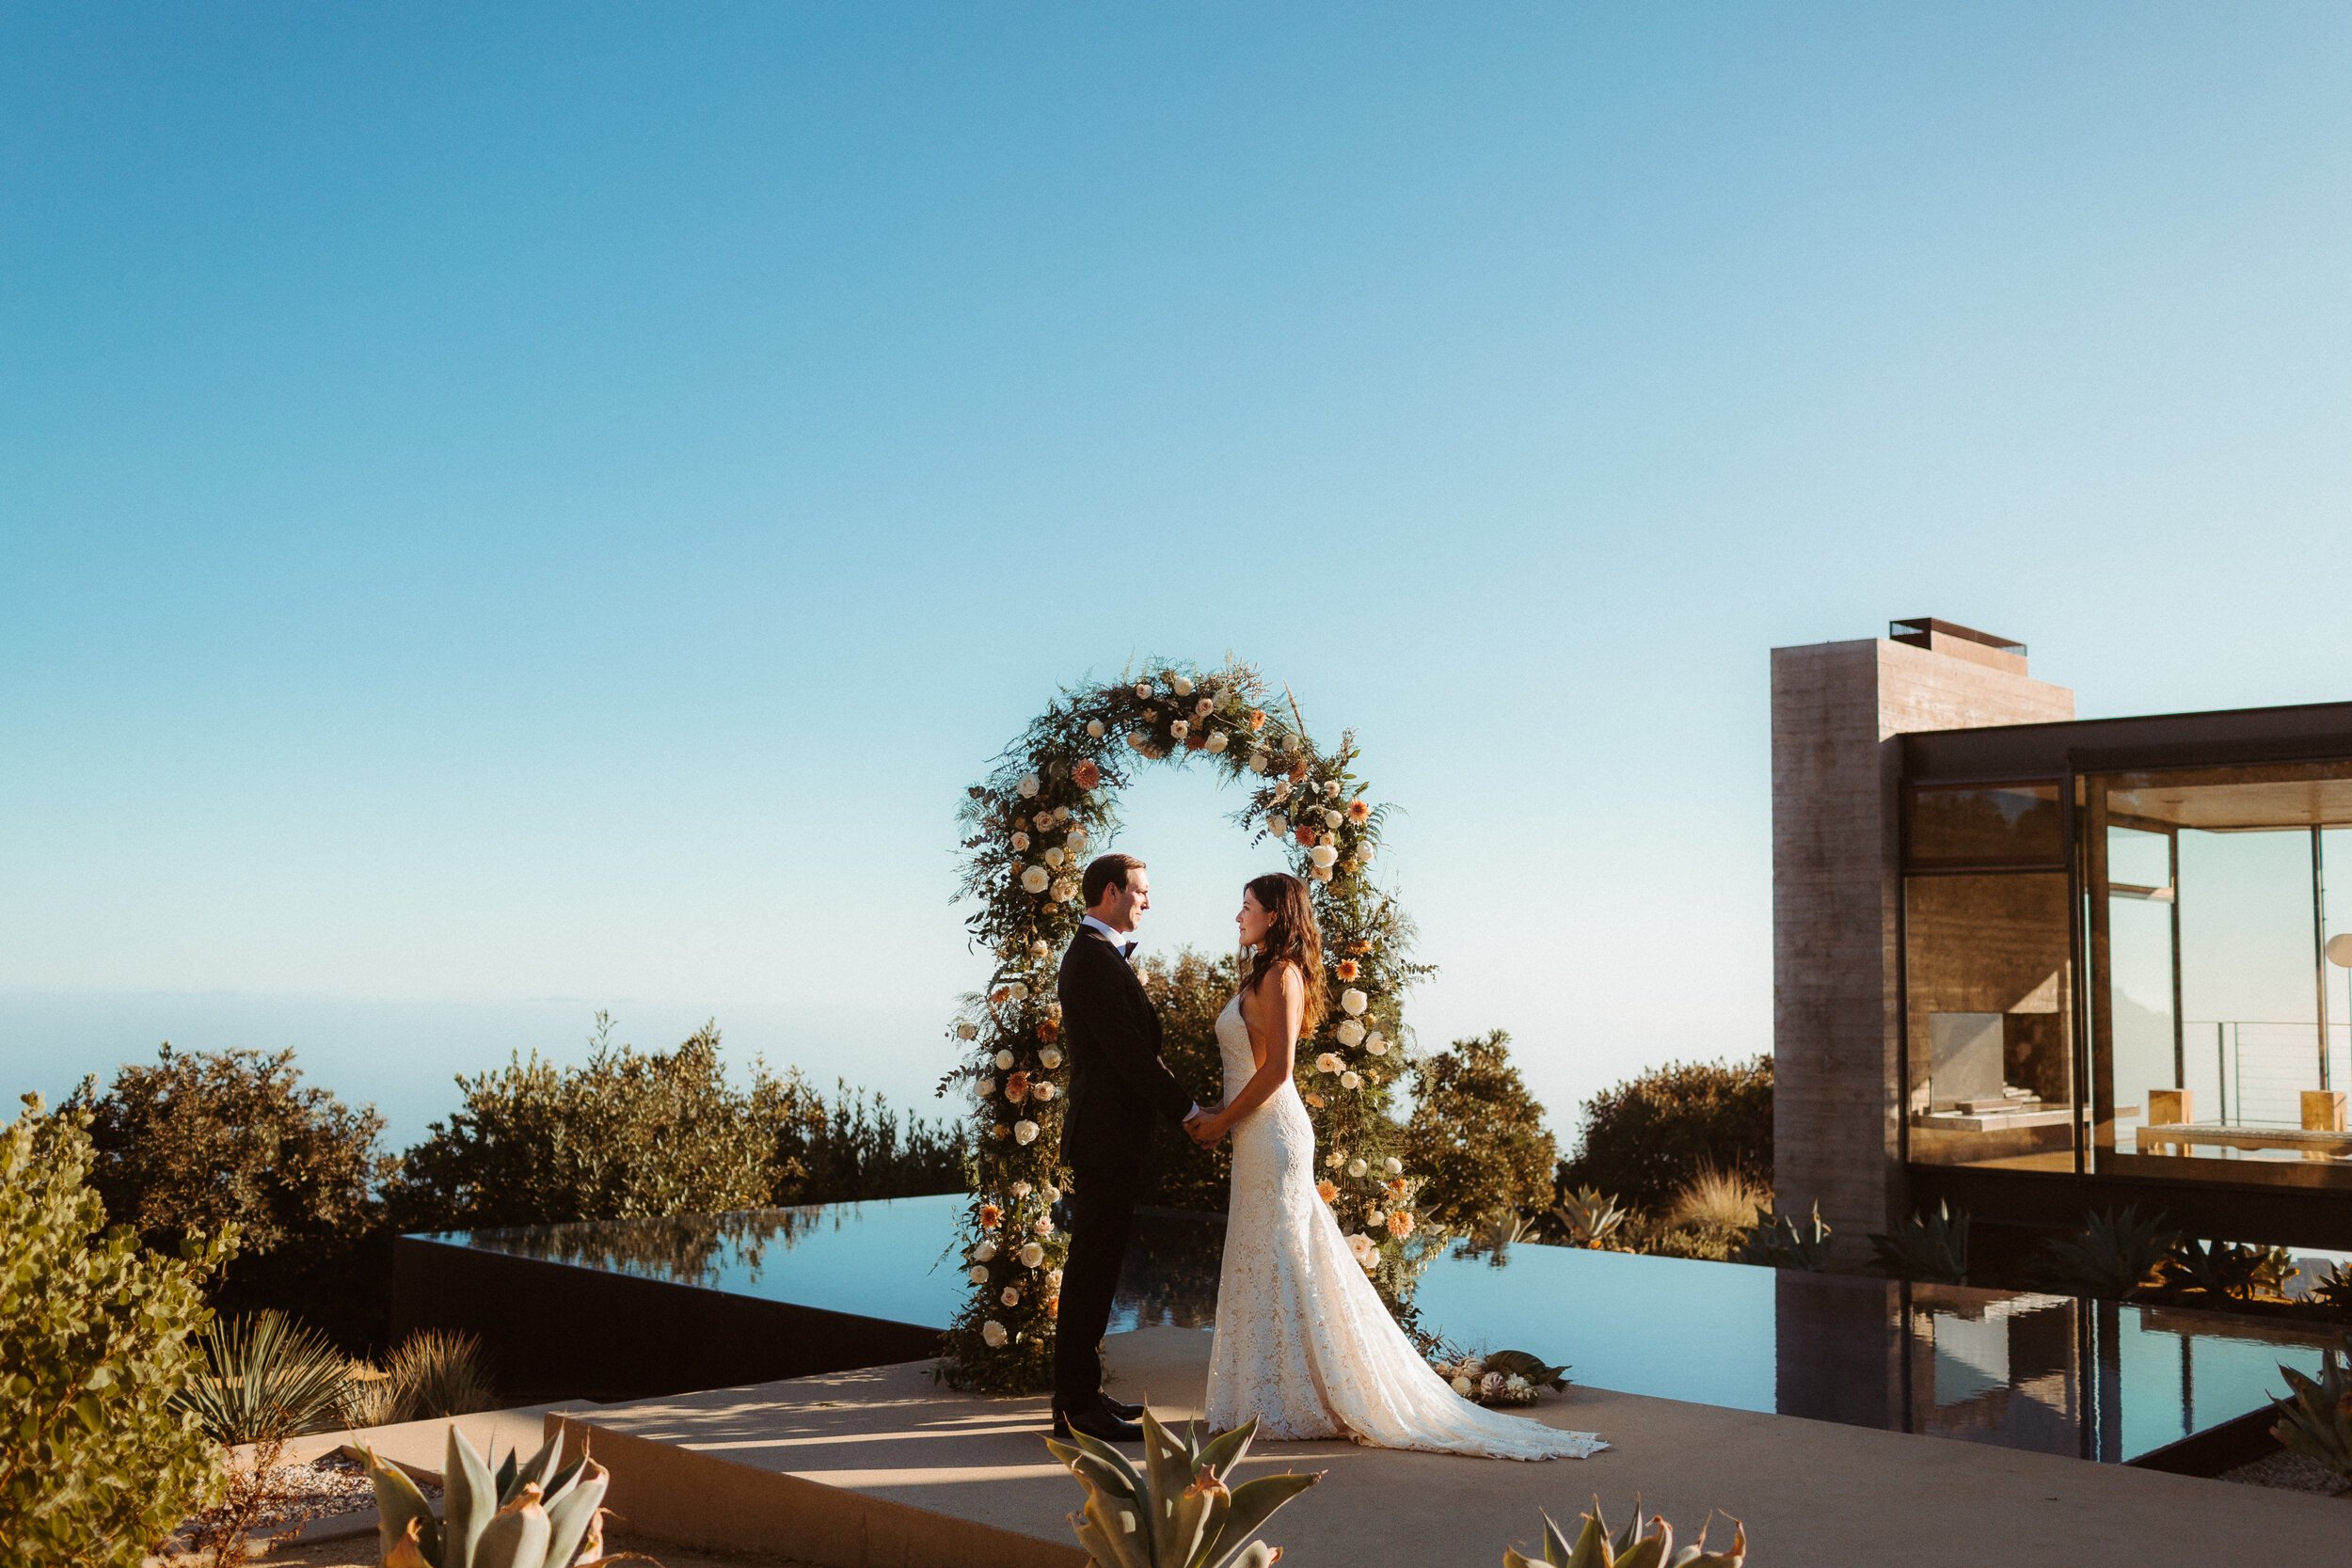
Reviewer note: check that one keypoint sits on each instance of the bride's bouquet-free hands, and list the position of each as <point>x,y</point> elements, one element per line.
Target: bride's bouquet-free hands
<point>1502,1377</point>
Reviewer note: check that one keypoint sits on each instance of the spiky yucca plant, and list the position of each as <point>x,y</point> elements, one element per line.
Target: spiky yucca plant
<point>522,1517</point>
<point>2117,1255</point>
<point>2334,1288</point>
<point>1176,1511</point>
<point>2229,1270</point>
<point>1778,1242</point>
<point>1929,1247</point>
<point>1644,1542</point>
<point>265,1377</point>
<point>2315,1417</point>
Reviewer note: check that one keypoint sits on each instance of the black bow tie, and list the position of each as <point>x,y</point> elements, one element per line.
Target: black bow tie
<point>1127,950</point>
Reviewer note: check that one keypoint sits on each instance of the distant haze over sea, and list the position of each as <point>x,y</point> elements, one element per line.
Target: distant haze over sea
<point>405,1056</point>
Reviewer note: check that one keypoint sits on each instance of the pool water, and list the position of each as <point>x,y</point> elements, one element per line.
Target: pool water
<point>2058,1374</point>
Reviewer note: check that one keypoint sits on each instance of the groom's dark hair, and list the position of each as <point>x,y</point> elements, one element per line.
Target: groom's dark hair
<point>1104,871</point>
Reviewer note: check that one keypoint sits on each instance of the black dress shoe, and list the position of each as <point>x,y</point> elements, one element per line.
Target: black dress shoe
<point>1097,1422</point>
<point>1121,1409</point>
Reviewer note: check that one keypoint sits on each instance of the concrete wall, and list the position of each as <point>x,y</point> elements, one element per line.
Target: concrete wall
<point>1837,1098</point>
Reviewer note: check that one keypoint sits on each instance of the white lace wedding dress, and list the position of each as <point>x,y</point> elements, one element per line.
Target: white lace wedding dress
<point>1303,1341</point>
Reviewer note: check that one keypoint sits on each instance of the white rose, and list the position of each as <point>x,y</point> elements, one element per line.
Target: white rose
<point>1019,1189</point>
<point>1049,1058</point>
<point>1024,1131</point>
<point>1349,1033</point>
<point>1283,789</point>
<point>1052,1195</point>
<point>988,1086</point>
<point>1290,744</point>
<point>1076,841</point>
<point>1004,1061</point>
<point>967,1030</point>
<point>1361,1246</point>
<point>1036,879</point>
<point>979,1275</point>
<point>1393,1166</point>
<point>1010,1296</point>
<point>1377,1044</point>
<point>1279,825</point>
<point>1043,1091</point>
<point>1094,728</point>
<point>1031,1255</point>
<point>984,1253</point>
<point>1351,1081</point>
<point>1020,841</point>
<point>1356,1167</point>
<point>1331,817</point>
<point>1143,689</point>
<point>1045,1226</point>
<point>1322,873</point>
<point>1323,856</point>
<point>1179,685</point>
<point>1326,1063</point>
<point>1463,1387</point>
<point>1363,853</point>
<point>1054,858</point>
<point>1177,728</point>
<point>1354,1001</point>
<point>1040,948</point>
<point>1205,706</point>
<point>1063,891</point>
<point>992,1334</point>
<point>1028,786</point>
<point>1257,762</point>
<point>1378,1216</point>
<point>1337,1158</point>
<point>1018,992</point>
<point>1217,741</point>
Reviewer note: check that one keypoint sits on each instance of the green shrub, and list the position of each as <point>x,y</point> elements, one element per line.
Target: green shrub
<point>858,1148</point>
<point>1189,990</point>
<point>1476,1138</point>
<point>1646,1138</point>
<point>627,1135</point>
<point>99,1463</point>
<point>191,1143</point>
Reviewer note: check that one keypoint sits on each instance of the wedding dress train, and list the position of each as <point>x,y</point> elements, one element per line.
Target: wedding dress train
<point>1303,1341</point>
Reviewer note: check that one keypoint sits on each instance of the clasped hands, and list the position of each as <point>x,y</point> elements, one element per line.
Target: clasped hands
<point>1206,1126</point>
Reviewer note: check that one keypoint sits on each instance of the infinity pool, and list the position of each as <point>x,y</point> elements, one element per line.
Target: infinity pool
<point>2057,1374</point>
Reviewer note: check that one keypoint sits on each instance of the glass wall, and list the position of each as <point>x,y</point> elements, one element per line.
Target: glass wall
<point>2218,1027</point>
<point>1988,982</point>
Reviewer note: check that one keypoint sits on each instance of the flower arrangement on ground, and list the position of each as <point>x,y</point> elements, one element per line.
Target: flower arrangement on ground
<point>1502,1377</point>
<point>1049,805</point>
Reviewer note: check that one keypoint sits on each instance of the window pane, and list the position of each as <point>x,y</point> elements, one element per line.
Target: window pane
<point>1990,996</point>
<point>1985,825</point>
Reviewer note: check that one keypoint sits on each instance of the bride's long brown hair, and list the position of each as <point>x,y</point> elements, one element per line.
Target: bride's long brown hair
<point>1291,939</point>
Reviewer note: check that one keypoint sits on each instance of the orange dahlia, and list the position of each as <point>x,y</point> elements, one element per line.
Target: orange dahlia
<point>1349,969</point>
<point>1257,718</point>
<point>1326,1191</point>
<point>991,1216</point>
<point>1086,775</point>
<point>1358,809</point>
<point>1400,1225</point>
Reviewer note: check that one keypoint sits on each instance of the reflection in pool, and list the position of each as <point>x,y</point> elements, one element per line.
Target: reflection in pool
<point>2057,1374</point>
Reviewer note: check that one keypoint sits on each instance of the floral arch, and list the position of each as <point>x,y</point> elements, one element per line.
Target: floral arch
<point>1032,826</point>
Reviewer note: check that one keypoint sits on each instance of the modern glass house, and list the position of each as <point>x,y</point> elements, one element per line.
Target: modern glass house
<point>2106,969</point>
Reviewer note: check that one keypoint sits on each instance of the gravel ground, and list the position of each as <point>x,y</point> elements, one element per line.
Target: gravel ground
<point>361,1552</point>
<point>2290,1472</point>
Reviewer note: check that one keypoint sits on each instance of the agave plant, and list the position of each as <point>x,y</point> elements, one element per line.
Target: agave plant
<point>1176,1511</point>
<point>2229,1270</point>
<point>522,1517</point>
<point>2333,1289</point>
<point>1779,1241</point>
<point>1929,1247</point>
<point>1587,1217</point>
<point>2315,1419</point>
<point>2118,1254</point>
<point>1642,1543</point>
<point>265,1377</point>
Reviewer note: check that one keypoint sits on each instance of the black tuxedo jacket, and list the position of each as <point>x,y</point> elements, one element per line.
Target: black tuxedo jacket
<point>1111,1033</point>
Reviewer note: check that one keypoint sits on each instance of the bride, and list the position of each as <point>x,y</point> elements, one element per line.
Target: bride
<point>1303,1341</point>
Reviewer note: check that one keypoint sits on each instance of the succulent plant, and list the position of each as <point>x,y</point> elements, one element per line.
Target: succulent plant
<point>1176,1511</point>
<point>1929,1247</point>
<point>2230,1270</point>
<point>2315,1417</point>
<point>2117,1255</point>
<point>1587,1217</point>
<point>522,1517</point>
<point>1779,1241</point>
<point>1644,1542</point>
<point>2333,1289</point>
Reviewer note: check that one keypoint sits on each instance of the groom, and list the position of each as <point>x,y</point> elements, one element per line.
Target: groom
<point>1118,1084</point>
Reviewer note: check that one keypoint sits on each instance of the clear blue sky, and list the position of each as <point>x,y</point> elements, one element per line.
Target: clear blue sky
<point>507,511</point>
